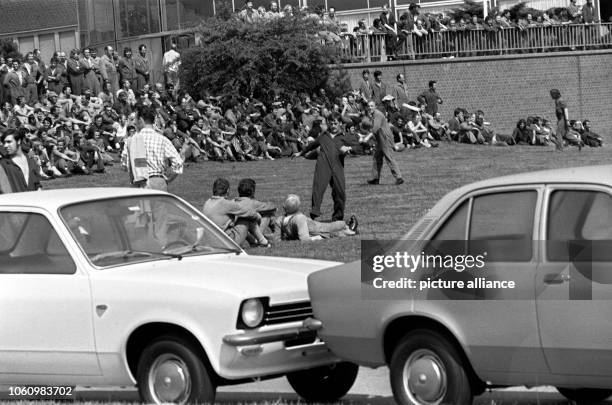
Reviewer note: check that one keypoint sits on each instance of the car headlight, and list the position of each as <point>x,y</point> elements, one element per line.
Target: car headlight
<point>252,312</point>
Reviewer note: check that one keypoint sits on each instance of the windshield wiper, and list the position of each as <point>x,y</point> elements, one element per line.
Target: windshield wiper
<point>127,254</point>
<point>197,248</point>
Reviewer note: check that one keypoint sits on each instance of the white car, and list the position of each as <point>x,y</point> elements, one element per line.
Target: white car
<point>116,287</point>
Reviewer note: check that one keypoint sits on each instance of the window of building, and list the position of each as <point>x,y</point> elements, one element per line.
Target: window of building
<point>136,17</point>
<point>342,5</point>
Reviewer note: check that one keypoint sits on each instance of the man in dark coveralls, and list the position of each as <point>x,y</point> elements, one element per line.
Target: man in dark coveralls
<point>329,168</point>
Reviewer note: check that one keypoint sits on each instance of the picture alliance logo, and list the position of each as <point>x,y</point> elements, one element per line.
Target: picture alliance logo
<point>409,262</point>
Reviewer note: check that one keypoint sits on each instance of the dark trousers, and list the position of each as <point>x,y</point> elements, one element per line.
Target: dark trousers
<point>325,175</point>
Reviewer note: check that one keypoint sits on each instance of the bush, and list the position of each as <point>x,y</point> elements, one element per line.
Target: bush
<point>8,49</point>
<point>280,56</point>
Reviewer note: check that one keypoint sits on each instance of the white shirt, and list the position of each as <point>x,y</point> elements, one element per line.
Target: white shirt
<point>22,162</point>
<point>171,61</point>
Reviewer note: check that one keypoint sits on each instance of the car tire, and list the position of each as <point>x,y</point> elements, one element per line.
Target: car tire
<point>426,369</point>
<point>324,384</point>
<point>171,370</point>
<point>585,395</point>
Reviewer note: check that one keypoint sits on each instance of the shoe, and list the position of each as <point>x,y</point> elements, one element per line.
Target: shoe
<point>353,224</point>
<point>399,181</point>
<point>374,181</point>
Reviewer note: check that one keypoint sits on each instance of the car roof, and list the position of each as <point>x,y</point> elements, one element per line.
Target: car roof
<point>587,174</point>
<point>600,175</point>
<point>54,199</point>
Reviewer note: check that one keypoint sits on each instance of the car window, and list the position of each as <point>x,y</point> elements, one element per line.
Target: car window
<point>450,237</point>
<point>575,216</point>
<point>30,245</point>
<point>134,229</point>
<point>502,226</point>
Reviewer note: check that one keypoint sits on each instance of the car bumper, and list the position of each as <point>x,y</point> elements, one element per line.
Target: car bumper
<point>278,335</point>
<point>274,352</point>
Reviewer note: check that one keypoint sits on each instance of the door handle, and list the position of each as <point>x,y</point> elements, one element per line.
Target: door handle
<point>555,278</point>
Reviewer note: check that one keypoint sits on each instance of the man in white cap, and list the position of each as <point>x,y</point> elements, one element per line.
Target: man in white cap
<point>295,225</point>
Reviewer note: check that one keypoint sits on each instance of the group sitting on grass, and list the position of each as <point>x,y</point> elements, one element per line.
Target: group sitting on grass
<point>251,222</point>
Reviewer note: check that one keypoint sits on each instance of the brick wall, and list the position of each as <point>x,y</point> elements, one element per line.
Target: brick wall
<point>511,87</point>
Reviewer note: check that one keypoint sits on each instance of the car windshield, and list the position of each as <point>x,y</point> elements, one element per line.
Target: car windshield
<point>117,231</point>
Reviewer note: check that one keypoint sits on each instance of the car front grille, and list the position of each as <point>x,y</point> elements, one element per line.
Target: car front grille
<point>286,313</point>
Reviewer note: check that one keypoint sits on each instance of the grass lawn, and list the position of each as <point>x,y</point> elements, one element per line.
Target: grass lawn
<point>385,211</point>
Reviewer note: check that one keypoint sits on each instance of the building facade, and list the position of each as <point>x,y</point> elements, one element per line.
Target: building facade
<point>48,25</point>
<point>51,25</point>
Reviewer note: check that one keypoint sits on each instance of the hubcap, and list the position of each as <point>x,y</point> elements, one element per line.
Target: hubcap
<point>424,378</point>
<point>169,380</point>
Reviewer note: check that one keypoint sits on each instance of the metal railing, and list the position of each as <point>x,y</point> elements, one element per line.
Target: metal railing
<point>479,42</point>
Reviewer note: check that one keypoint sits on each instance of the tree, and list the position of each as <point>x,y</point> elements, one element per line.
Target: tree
<point>282,55</point>
<point>8,49</point>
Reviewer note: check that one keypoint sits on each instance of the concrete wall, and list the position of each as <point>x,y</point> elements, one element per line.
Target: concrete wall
<point>511,87</point>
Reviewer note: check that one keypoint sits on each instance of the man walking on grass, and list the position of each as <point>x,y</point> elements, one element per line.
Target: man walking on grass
<point>384,145</point>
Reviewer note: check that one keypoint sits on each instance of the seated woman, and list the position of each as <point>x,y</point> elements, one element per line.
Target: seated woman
<point>521,134</point>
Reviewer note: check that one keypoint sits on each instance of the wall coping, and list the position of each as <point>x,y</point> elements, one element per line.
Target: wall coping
<point>464,59</point>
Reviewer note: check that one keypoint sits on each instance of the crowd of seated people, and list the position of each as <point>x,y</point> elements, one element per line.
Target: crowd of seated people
<point>81,132</point>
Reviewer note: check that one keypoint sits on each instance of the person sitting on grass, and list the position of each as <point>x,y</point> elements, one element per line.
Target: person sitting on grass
<point>589,137</point>
<point>266,210</point>
<point>235,219</point>
<point>294,225</point>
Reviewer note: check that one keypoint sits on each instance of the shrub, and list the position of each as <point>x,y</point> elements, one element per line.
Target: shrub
<point>281,56</point>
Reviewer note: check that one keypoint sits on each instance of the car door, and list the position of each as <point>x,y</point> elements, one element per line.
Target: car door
<point>499,325</point>
<point>46,326</point>
<point>574,284</point>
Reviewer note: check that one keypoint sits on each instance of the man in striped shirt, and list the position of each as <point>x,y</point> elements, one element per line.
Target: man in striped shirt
<point>163,162</point>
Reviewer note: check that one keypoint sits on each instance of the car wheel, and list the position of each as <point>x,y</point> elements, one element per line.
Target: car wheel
<point>324,384</point>
<point>170,370</point>
<point>585,395</point>
<point>426,369</point>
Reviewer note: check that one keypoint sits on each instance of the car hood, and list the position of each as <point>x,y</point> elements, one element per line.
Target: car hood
<point>244,276</point>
